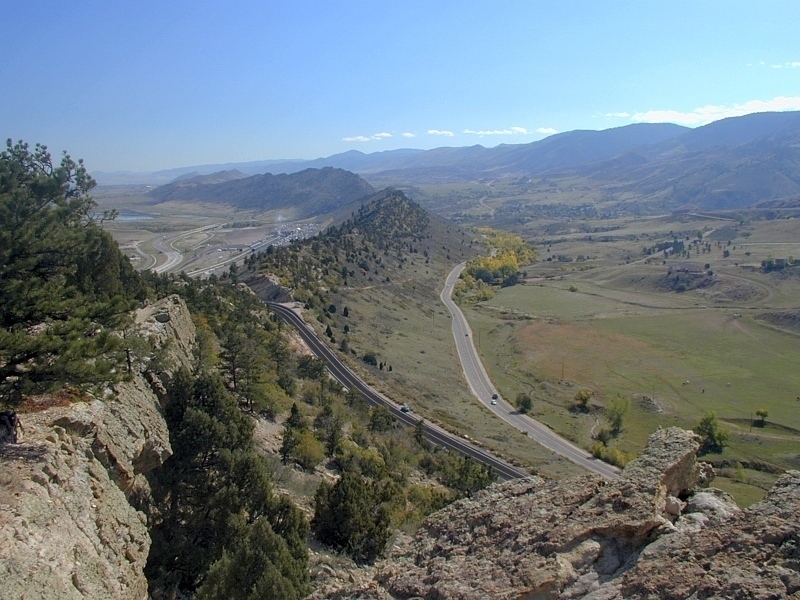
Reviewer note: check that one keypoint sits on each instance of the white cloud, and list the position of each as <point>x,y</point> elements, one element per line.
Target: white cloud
<point>409,135</point>
<point>620,115</point>
<point>509,131</point>
<point>789,65</point>
<point>546,130</point>
<point>483,132</point>
<point>437,132</point>
<point>363,138</point>
<point>710,113</point>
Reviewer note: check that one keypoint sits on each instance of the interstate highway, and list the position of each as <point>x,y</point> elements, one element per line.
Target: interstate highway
<point>347,378</point>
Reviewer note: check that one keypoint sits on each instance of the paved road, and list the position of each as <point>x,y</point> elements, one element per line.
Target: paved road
<point>346,377</point>
<point>237,257</point>
<point>174,257</point>
<point>482,388</point>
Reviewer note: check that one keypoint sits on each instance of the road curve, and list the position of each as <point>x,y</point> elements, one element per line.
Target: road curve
<point>482,388</point>
<point>174,256</point>
<point>347,378</point>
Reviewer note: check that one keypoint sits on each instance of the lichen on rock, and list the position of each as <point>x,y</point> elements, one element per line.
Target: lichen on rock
<point>587,537</point>
<point>69,524</point>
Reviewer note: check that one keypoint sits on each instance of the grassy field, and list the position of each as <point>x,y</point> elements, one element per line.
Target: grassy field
<point>611,324</point>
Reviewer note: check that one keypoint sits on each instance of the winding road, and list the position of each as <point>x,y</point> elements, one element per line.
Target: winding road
<point>347,378</point>
<point>175,257</point>
<point>482,388</point>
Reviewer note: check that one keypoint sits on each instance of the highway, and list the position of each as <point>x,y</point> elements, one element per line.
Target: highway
<point>347,378</point>
<point>237,257</point>
<point>174,257</point>
<point>481,386</point>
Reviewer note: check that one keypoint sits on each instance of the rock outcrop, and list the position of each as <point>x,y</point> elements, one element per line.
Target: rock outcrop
<point>69,493</point>
<point>652,533</point>
<point>269,288</point>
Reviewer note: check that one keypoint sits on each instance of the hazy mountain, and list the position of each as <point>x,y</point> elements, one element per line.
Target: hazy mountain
<point>732,163</point>
<point>474,162</point>
<point>307,193</point>
<point>194,178</point>
<point>170,175</point>
<point>730,132</point>
<point>573,147</point>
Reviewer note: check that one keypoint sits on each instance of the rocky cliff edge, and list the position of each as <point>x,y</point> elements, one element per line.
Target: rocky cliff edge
<point>69,526</point>
<point>653,533</point>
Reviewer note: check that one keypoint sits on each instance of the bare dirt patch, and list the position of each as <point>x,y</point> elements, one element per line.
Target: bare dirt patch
<point>579,351</point>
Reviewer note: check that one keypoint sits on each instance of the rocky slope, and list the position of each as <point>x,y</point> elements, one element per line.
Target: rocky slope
<point>652,533</point>
<point>69,526</point>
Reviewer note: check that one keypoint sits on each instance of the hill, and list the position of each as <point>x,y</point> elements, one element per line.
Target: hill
<point>310,192</point>
<point>194,178</point>
<point>371,286</point>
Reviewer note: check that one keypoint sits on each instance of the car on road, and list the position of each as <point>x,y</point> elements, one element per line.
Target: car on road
<point>494,401</point>
<point>406,408</point>
<point>494,396</point>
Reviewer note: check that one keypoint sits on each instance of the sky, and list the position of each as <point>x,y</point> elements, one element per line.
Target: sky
<point>143,86</point>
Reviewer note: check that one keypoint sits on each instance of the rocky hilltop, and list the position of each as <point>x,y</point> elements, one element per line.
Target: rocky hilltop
<point>654,533</point>
<point>69,524</point>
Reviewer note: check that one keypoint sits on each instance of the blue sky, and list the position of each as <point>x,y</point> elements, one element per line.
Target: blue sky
<point>150,85</point>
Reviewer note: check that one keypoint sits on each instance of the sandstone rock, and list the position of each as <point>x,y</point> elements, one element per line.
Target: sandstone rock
<point>713,503</point>
<point>67,525</point>
<point>754,553</point>
<point>168,326</point>
<point>592,538</point>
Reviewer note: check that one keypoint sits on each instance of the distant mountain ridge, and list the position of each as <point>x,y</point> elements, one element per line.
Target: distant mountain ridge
<point>195,178</point>
<point>465,159</point>
<point>307,193</point>
<point>730,163</point>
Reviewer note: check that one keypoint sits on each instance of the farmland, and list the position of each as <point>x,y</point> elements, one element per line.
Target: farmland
<point>616,323</point>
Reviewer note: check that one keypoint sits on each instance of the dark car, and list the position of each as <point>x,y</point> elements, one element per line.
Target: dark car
<point>406,408</point>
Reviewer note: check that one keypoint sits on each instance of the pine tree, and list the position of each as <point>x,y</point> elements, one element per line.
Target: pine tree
<point>64,285</point>
<point>353,516</point>
<point>215,493</point>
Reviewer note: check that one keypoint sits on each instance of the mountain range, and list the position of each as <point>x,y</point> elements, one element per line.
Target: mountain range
<point>731,163</point>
